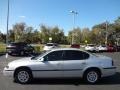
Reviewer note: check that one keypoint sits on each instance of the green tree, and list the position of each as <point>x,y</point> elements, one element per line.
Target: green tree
<point>117,25</point>
<point>75,36</point>
<point>116,34</point>
<point>11,36</point>
<point>85,35</point>
<point>45,33</point>
<point>2,37</point>
<point>36,37</point>
<point>69,37</point>
<point>19,29</point>
<point>28,35</point>
<point>57,35</point>
<point>98,33</point>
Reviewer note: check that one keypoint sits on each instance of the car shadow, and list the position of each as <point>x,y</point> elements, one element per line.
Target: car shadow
<point>113,80</point>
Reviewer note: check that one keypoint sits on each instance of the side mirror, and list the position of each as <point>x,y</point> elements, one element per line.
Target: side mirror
<point>42,60</point>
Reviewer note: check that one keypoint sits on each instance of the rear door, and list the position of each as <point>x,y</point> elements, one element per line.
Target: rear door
<point>74,63</point>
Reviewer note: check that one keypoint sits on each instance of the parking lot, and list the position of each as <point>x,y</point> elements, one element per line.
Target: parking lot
<point>108,83</point>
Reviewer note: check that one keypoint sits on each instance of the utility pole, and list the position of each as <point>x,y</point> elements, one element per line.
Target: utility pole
<point>7,23</point>
<point>7,27</point>
<point>73,13</point>
<point>106,37</point>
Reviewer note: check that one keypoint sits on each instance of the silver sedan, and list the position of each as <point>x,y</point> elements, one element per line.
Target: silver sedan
<point>61,63</point>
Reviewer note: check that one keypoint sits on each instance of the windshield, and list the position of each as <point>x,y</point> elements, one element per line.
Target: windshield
<point>40,55</point>
<point>103,46</point>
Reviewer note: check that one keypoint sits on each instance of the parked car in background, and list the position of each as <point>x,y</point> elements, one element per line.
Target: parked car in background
<point>90,47</point>
<point>82,45</point>
<point>61,63</point>
<point>50,46</point>
<point>101,48</point>
<point>19,48</point>
<point>118,48</point>
<point>75,46</point>
<point>111,48</point>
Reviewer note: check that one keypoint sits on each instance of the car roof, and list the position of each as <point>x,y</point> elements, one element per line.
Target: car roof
<point>56,49</point>
<point>90,44</point>
<point>51,43</point>
<point>18,43</point>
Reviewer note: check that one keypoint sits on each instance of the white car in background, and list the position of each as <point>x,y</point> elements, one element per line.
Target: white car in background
<point>50,46</point>
<point>101,48</point>
<point>61,63</point>
<point>90,47</point>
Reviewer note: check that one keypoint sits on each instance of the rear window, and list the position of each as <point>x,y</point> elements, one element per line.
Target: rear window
<point>17,44</point>
<point>91,45</point>
<point>103,46</point>
<point>49,44</point>
<point>12,44</point>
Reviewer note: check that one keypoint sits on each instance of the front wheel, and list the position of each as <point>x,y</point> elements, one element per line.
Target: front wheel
<point>92,76</point>
<point>23,76</point>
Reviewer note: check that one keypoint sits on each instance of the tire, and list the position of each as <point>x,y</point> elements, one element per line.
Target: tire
<point>92,76</point>
<point>22,53</point>
<point>10,54</point>
<point>33,51</point>
<point>23,76</point>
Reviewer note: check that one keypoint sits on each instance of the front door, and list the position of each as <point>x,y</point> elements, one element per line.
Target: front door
<point>51,66</point>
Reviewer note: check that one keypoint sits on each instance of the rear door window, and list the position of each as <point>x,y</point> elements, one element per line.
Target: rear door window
<point>75,55</point>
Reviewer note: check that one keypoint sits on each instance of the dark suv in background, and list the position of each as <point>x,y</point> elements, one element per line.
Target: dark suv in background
<point>19,48</point>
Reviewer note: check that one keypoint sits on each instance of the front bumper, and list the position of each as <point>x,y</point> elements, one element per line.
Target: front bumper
<point>8,73</point>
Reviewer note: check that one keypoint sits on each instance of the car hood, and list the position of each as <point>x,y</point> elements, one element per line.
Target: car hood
<point>19,62</point>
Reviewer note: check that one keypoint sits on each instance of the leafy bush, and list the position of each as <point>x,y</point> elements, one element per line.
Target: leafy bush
<point>38,48</point>
<point>2,48</point>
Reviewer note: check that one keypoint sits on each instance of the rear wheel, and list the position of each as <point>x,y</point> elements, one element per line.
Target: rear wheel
<point>23,76</point>
<point>92,76</point>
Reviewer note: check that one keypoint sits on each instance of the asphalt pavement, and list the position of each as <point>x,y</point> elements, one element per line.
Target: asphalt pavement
<point>109,83</point>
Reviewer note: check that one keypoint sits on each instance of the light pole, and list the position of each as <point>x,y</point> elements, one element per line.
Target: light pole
<point>7,22</point>
<point>7,27</point>
<point>74,13</point>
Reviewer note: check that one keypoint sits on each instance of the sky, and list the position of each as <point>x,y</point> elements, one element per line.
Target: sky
<point>57,13</point>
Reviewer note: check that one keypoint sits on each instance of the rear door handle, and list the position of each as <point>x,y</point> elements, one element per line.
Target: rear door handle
<point>59,64</point>
<point>83,63</point>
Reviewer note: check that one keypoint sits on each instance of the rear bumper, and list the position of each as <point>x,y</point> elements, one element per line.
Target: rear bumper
<point>10,51</point>
<point>108,71</point>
